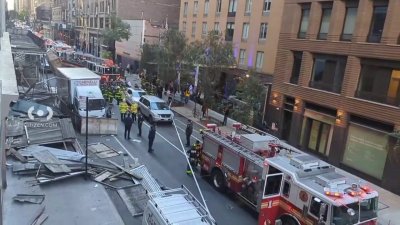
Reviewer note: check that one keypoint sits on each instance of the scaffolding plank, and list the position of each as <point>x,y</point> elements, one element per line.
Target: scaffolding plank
<point>51,162</point>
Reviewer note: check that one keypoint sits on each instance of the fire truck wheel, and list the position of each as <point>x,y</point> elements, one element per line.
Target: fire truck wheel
<point>218,180</point>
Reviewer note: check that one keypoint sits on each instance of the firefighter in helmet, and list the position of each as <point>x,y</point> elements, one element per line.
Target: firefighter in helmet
<point>194,155</point>
<point>134,110</point>
<point>118,95</point>
<point>123,108</point>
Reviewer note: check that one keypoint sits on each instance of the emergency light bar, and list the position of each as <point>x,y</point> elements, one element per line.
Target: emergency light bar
<point>333,193</point>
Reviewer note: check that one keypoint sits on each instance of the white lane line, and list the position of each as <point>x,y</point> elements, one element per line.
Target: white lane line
<point>165,139</point>
<point>123,146</point>
<point>185,125</point>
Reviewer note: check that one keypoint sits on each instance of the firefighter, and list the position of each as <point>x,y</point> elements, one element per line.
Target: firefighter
<point>134,110</point>
<point>118,95</point>
<point>109,95</point>
<point>194,157</point>
<point>123,108</point>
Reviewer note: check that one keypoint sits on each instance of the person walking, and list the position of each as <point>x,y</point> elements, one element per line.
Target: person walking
<point>134,110</point>
<point>204,109</point>
<point>188,132</point>
<point>140,120</point>
<point>151,136</point>
<point>128,125</point>
<point>123,108</point>
<point>194,155</point>
<point>226,114</point>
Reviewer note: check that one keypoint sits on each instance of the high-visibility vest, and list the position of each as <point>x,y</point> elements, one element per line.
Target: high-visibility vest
<point>123,107</point>
<point>134,107</point>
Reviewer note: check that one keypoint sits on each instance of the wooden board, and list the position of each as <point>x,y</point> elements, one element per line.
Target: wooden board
<point>103,176</point>
<point>51,162</point>
<point>102,150</point>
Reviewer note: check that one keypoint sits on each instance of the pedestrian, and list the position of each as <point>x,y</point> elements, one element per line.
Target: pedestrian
<point>188,132</point>
<point>151,136</point>
<point>127,68</point>
<point>226,114</point>
<point>134,110</point>
<point>109,112</point>
<point>140,120</point>
<point>194,155</point>
<point>128,125</point>
<point>187,96</point>
<point>204,109</point>
<point>123,108</point>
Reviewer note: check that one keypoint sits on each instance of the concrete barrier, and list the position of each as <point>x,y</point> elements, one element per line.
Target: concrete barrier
<point>98,125</point>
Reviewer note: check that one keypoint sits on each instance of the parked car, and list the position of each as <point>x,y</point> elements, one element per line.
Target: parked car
<point>155,109</point>
<point>134,94</point>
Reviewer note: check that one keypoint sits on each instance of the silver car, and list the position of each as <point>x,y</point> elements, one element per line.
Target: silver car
<point>134,94</point>
<point>155,109</point>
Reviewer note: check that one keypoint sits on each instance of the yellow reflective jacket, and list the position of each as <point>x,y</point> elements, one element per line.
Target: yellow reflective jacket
<point>134,107</point>
<point>123,107</point>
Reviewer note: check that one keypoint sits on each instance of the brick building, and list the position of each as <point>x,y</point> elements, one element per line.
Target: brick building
<point>336,89</point>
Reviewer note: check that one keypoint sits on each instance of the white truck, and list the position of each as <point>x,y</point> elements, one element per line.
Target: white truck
<point>73,86</point>
<point>175,207</point>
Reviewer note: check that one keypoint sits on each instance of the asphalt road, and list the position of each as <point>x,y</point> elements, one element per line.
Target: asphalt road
<point>168,165</point>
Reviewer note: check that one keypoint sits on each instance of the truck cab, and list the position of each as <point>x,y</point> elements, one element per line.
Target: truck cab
<point>96,104</point>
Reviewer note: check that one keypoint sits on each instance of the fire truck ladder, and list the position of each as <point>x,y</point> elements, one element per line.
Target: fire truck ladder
<point>248,154</point>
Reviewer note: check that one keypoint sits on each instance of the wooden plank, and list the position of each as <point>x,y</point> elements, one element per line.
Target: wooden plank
<point>30,198</point>
<point>51,162</point>
<point>103,176</point>
<point>125,170</point>
<point>18,155</point>
<point>37,214</point>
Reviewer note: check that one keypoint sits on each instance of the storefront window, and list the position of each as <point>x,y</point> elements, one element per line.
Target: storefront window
<point>366,150</point>
<point>316,136</point>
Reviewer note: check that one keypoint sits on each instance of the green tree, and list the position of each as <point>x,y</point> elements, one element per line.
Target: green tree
<point>252,94</point>
<point>106,55</point>
<point>23,15</point>
<point>117,31</point>
<point>213,55</point>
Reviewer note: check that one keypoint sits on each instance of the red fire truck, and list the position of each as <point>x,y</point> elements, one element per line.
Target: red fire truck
<point>284,185</point>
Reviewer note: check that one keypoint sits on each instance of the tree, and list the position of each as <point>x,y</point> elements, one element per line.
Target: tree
<point>106,55</point>
<point>23,15</point>
<point>118,31</point>
<point>252,94</point>
<point>213,55</point>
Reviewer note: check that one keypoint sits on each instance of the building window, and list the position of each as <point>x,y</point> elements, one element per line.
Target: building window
<point>219,6</point>
<point>232,7</point>
<point>267,6</point>
<point>315,136</point>
<point>242,56</point>
<point>184,26</point>
<point>185,8</point>
<point>297,58</point>
<point>204,28</point>
<point>349,23</point>
<point>230,30</point>
<point>206,7</point>
<point>377,24</point>
<point>216,27</point>
<point>325,21</point>
<point>249,4</point>
<point>107,23</point>
<point>380,82</point>
<point>305,15</point>
<point>102,6</point>
<point>91,22</point>
<point>193,29</point>
<point>259,60</point>
<point>95,22</point>
<point>245,32</point>
<point>263,31</point>
<point>328,72</point>
<point>195,8</point>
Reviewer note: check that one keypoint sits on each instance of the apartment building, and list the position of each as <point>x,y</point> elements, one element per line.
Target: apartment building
<point>92,16</point>
<point>252,26</point>
<point>336,90</point>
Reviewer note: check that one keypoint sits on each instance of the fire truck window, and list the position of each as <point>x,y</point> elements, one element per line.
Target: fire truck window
<point>315,206</point>
<point>273,170</point>
<point>286,189</point>
<point>129,92</point>
<point>273,185</point>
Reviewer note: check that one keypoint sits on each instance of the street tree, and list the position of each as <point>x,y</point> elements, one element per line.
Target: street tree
<point>23,15</point>
<point>213,55</point>
<point>251,93</point>
<point>117,31</point>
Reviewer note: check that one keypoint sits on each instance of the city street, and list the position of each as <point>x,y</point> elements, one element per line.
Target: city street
<point>168,164</point>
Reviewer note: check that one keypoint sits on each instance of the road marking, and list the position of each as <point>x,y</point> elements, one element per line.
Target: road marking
<point>165,139</point>
<point>123,147</point>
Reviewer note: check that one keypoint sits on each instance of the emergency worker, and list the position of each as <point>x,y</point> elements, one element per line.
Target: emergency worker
<point>194,154</point>
<point>109,95</point>
<point>139,124</point>
<point>118,95</point>
<point>123,108</point>
<point>134,110</point>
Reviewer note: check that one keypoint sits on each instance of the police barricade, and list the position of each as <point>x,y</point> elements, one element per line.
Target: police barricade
<point>98,125</point>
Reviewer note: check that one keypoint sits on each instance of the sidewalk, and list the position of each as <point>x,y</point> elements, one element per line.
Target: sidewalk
<point>389,203</point>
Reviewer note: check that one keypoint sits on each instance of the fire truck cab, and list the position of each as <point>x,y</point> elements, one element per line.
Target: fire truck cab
<point>287,186</point>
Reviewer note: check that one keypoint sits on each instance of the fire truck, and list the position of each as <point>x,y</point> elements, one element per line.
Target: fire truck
<point>284,185</point>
